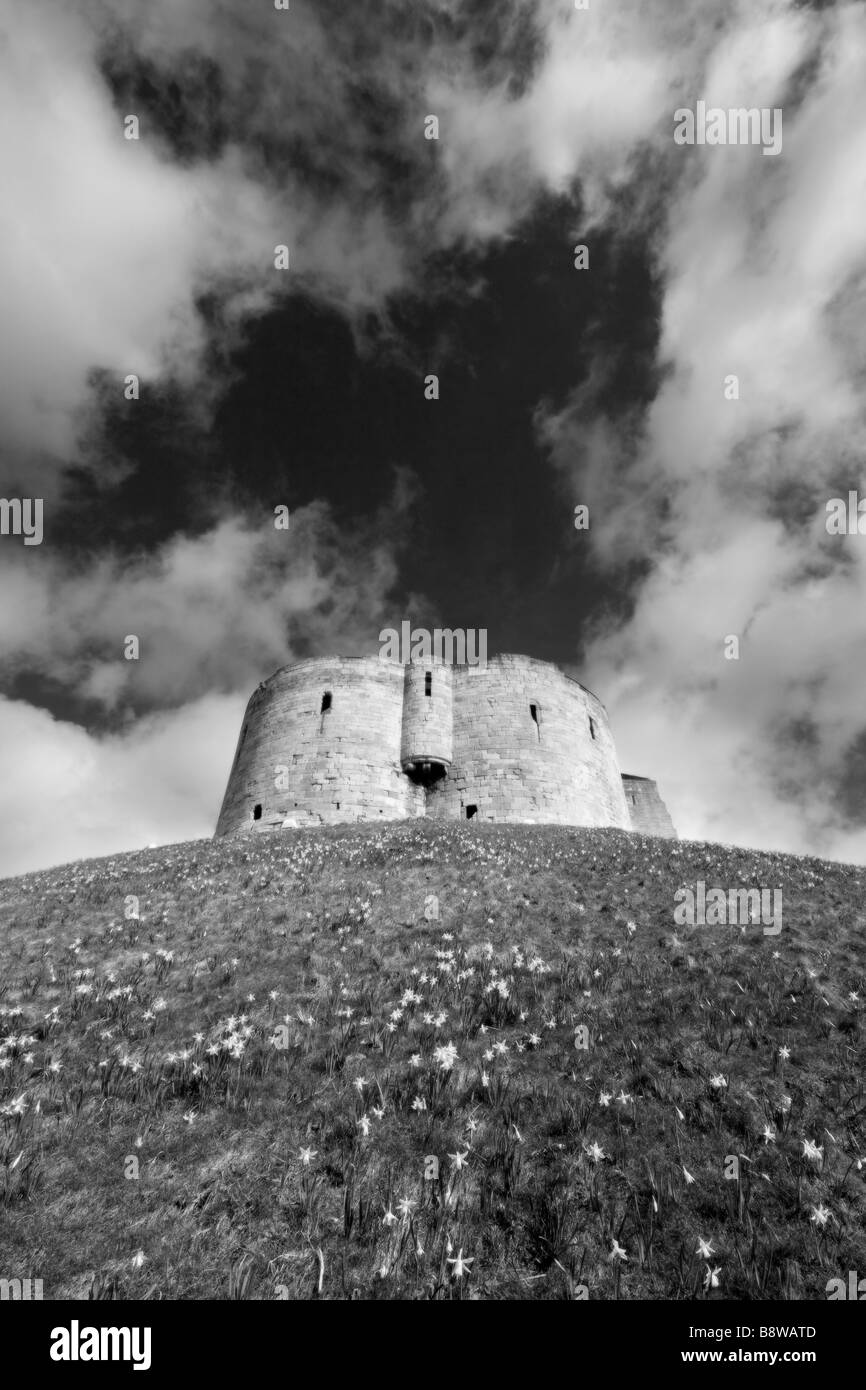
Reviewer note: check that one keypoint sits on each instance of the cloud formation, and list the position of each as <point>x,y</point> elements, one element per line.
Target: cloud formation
<point>763,268</point>
<point>67,794</point>
<point>210,611</point>
<point>107,244</point>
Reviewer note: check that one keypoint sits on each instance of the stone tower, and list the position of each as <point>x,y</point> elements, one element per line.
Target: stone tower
<point>335,739</point>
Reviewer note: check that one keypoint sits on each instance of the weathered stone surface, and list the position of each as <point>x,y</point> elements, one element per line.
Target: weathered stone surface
<point>648,812</point>
<point>345,739</point>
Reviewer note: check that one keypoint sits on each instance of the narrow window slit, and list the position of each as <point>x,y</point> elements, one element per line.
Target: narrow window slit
<point>326,705</point>
<point>533,714</point>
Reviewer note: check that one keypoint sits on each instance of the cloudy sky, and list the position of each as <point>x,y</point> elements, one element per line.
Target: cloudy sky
<point>305,387</point>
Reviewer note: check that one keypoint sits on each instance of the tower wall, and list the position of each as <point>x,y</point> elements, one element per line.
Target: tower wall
<point>341,764</point>
<point>647,811</point>
<point>553,768</point>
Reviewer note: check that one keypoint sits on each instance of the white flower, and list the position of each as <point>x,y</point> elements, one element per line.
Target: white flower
<point>704,1249</point>
<point>461,1266</point>
<point>446,1056</point>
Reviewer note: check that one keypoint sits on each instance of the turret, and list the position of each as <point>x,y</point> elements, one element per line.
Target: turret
<point>426,747</point>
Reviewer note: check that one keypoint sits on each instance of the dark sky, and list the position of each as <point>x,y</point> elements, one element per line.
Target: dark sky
<point>311,410</point>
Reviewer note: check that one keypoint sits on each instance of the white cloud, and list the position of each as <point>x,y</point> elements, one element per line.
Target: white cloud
<point>211,612</point>
<point>67,795</point>
<point>596,98</point>
<point>105,242</point>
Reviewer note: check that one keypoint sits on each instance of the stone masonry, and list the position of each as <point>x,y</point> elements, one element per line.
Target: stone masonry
<point>646,808</point>
<point>336,739</point>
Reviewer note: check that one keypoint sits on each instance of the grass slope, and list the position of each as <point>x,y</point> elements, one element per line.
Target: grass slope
<point>163,1079</point>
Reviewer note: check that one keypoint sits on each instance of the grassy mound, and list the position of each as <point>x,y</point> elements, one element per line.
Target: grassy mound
<point>288,1078</point>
